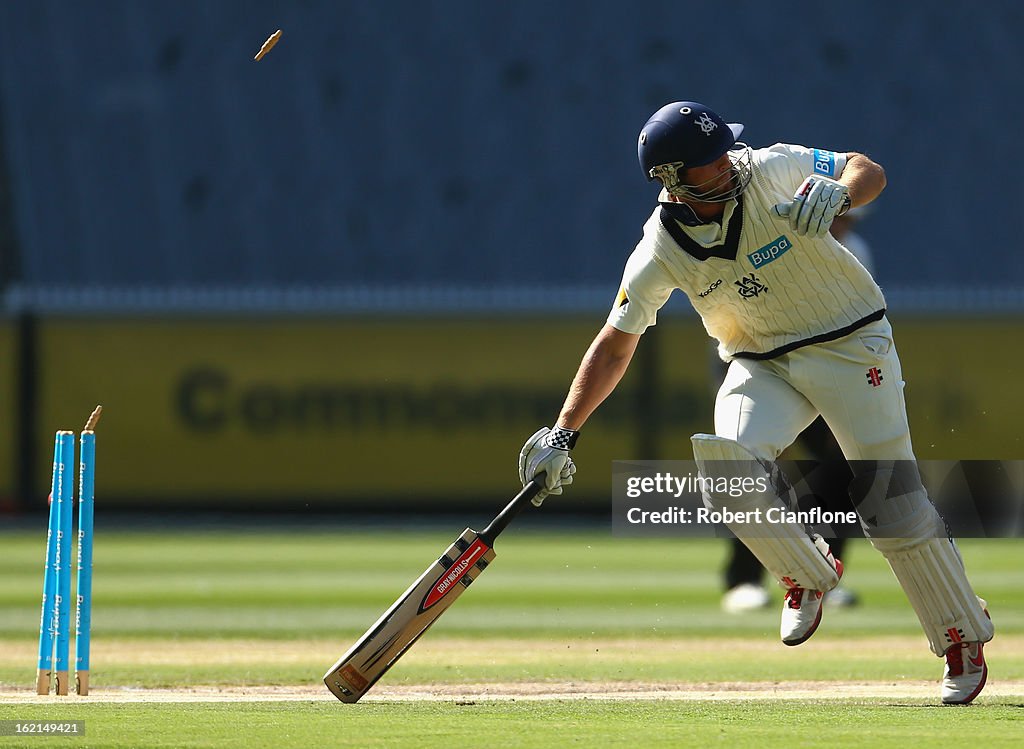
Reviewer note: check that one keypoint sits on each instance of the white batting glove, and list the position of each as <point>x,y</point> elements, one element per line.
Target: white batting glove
<point>547,451</point>
<point>815,205</point>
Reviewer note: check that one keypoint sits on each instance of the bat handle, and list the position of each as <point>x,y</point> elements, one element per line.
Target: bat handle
<point>503,518</point>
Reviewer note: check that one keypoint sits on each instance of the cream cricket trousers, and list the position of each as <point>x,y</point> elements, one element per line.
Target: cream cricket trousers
<point>855,383</point>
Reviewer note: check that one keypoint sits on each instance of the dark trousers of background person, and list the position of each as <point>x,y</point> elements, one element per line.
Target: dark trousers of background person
<point>829,482</point>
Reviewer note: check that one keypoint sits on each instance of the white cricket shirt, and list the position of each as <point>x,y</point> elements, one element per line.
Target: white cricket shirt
<point>760,289</point>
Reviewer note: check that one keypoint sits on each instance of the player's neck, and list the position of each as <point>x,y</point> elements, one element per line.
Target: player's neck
<point>704,211</point>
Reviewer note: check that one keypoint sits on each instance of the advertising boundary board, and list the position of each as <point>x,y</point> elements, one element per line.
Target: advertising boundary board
<point>280,414</point>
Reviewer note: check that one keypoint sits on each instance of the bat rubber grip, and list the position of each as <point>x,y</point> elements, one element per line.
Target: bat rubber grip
<point>512,509</point>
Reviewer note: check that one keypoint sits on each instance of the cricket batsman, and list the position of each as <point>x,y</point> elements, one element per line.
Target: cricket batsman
<point>744,233</point>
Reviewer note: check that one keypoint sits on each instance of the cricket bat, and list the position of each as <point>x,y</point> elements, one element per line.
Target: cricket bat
<point>421,605</point>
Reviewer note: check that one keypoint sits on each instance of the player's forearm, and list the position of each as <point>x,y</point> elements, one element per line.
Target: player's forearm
<point>600,371</point>
<point>864,178</point>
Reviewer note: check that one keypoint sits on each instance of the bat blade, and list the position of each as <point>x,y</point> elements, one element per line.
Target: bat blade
<point>409,617</point>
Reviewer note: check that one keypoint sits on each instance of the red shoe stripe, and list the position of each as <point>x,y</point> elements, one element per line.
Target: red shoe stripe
<point>980,660</point>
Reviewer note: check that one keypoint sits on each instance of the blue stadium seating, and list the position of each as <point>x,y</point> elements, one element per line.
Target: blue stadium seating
<point>468,143</point>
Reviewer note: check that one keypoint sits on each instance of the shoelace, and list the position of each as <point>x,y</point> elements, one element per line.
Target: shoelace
<point>794,596</point>
<point>955,660</point>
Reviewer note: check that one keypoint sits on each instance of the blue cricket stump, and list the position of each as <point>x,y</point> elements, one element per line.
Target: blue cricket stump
<point>83,613</point>
<point>63,566</point>
<point>55,613</point>
<point>48,616</point>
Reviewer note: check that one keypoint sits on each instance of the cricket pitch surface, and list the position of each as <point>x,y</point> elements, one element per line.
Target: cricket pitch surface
<point>531,691</point>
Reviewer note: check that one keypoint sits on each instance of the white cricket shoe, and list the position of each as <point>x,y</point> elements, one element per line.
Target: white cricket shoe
<point>801,612</point>
<point>745,597</point>
<point>965,673</point>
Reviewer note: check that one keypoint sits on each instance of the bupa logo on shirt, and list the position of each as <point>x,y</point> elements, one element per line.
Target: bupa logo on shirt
<point>770,252</point>
<point>825,162</point>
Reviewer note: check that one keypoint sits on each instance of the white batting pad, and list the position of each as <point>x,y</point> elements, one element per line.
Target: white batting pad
<point>905,527</point>
<point>785,549</point>
<point>933,577</point>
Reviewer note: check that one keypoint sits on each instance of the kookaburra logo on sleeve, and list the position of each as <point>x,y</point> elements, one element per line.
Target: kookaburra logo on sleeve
<point>750,285</point>
<point>710,288</point>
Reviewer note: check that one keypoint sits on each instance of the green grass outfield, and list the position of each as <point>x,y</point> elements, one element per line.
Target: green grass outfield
<point>219,637</point>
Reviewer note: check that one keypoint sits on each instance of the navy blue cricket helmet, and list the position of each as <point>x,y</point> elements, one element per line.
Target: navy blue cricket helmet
<point>680,135</point>
<point>685,131</point>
